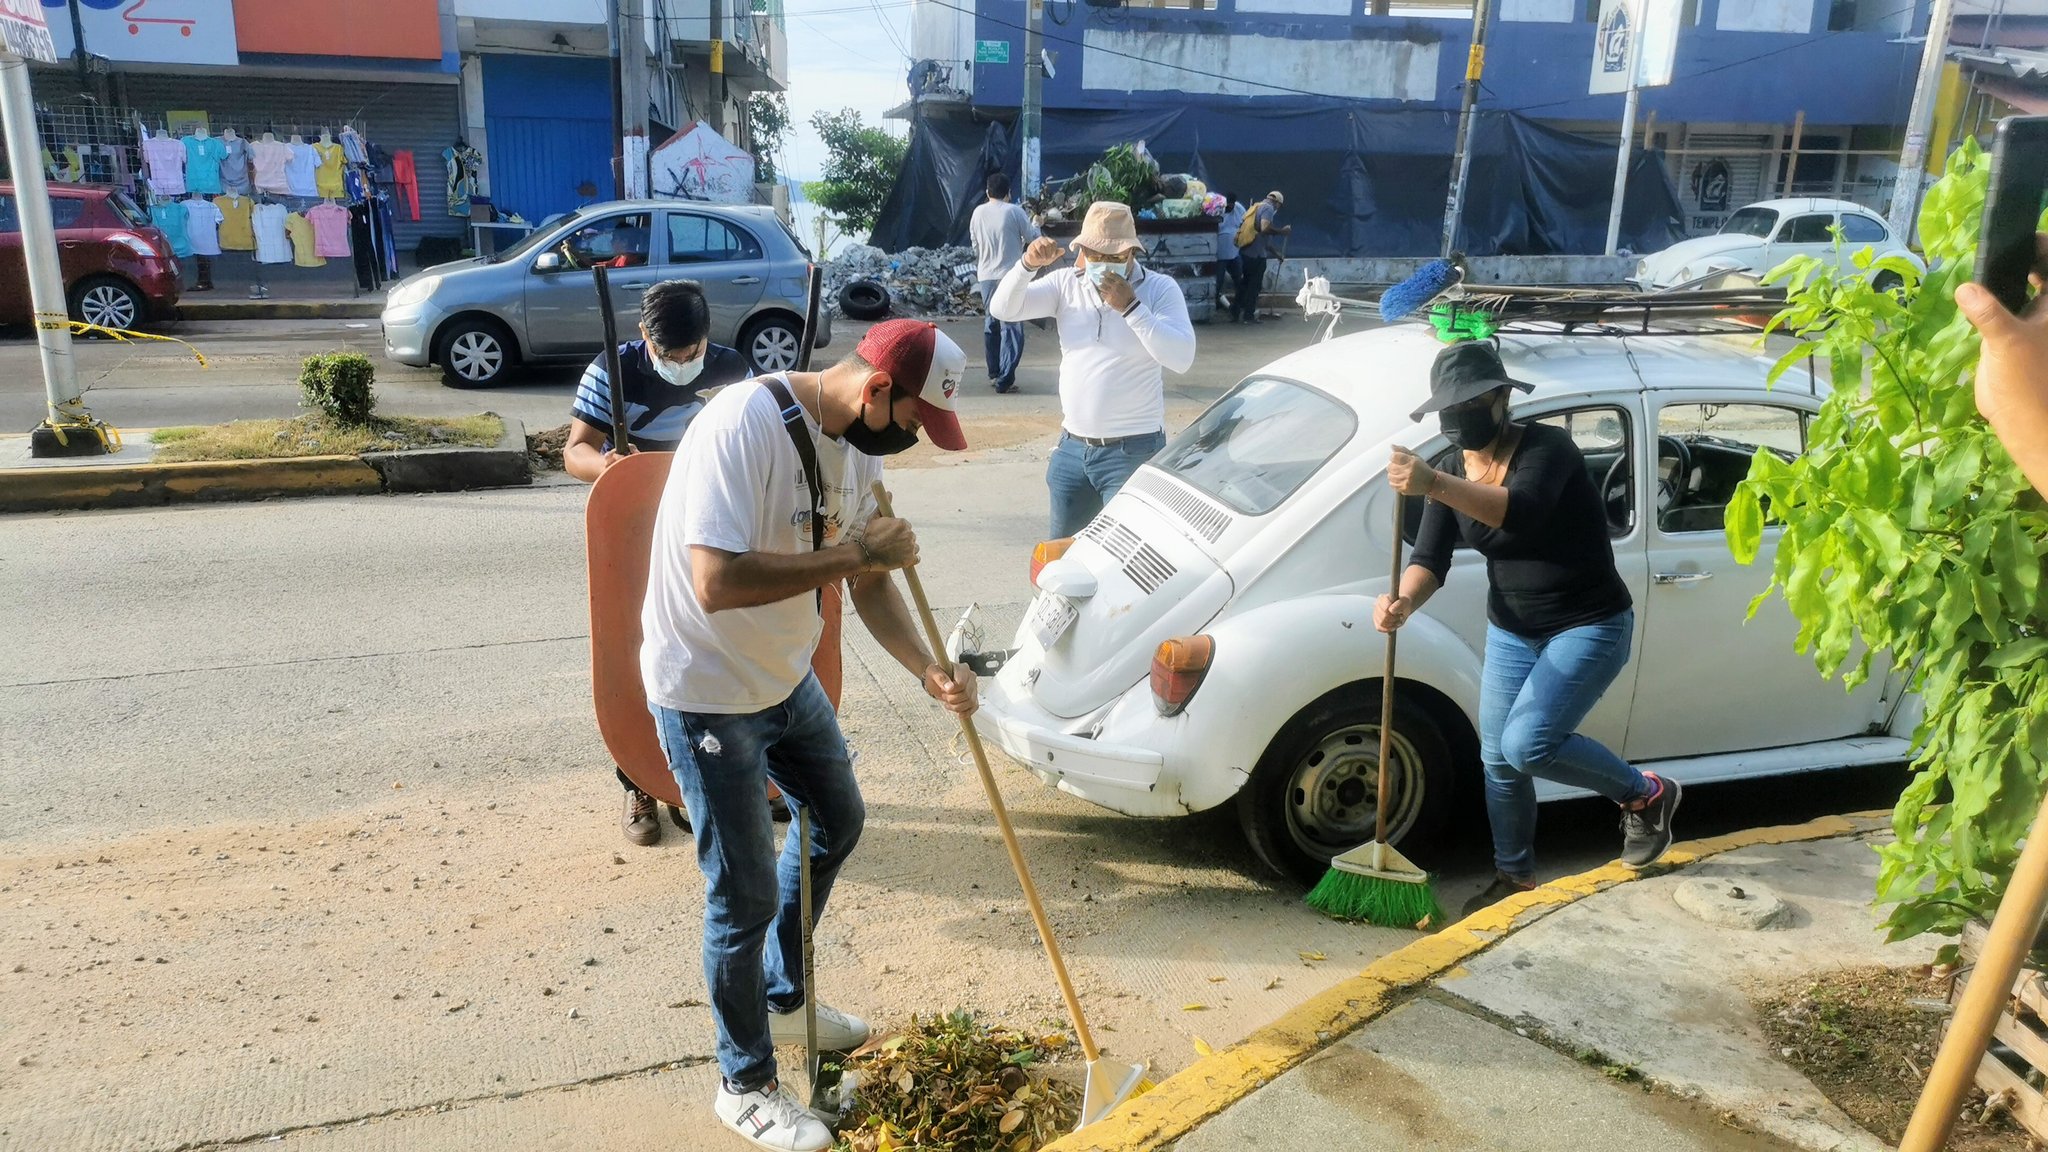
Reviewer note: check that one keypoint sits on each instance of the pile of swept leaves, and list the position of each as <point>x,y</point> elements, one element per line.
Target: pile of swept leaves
<point>951,1084</point>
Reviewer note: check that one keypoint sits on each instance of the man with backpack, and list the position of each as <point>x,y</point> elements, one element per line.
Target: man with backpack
<point>1254,244</point>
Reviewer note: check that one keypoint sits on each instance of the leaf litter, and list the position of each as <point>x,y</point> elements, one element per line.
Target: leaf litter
<point>953,1084</point>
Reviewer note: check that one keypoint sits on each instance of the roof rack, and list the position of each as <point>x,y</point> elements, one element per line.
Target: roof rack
<point>1697,308</point>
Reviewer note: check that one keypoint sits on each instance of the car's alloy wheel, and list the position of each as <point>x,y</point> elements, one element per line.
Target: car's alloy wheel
<point>109,305</point>
<point>1314,793</point>
<point>772,347</point>
<point>476,356</point>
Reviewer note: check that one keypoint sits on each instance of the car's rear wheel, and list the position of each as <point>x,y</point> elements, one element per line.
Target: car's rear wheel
<point>476,353</point>
<point>108,302</point>
<point>1314,793</point>
<point>1888,281</point>
<point>770,343</point>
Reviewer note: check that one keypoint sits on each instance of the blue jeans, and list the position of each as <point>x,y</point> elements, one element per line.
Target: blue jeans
<point>1083,478</point>
<point>1002,344</point>
<point>722,763</point>
<point>1532,696</point>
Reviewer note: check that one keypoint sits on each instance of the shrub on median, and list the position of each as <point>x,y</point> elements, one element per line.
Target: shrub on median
<point>340,384</point>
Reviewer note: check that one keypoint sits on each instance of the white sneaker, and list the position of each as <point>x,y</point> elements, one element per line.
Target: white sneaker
<point>770,1118</point>
<point>837,1031</point>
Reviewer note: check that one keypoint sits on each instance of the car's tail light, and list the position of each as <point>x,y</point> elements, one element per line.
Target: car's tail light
<point>1046,553</point>
<point>1177,670</point>
<point>136,244</point>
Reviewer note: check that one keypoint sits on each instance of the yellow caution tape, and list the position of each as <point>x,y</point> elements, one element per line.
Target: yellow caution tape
<point>127,335</point>
<point>109,436</point>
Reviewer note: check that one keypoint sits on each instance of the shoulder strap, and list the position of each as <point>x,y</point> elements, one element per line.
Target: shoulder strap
<point>807,453</point>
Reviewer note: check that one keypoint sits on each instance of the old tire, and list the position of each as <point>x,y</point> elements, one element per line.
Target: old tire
<point>771,343</point>
<point>109,302</point>
<point>476,352</point>
<point>864,300</point>
<point>1311,795</point>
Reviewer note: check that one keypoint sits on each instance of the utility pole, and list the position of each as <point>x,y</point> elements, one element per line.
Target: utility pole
<point>1628,142</point>
<point>1475,64</point>
<point>1920,121</point>
<point>68,429</point>
<point>1030,119</point>
<point>615,34</point>
<point>78,54</point>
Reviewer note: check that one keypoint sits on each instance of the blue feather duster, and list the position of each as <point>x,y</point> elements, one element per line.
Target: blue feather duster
<point>1414,294</point>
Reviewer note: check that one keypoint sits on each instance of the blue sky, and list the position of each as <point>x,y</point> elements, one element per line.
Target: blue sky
<point>842,54</point>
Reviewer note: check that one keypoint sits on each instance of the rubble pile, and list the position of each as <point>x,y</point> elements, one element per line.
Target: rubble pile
<point>921,281</point>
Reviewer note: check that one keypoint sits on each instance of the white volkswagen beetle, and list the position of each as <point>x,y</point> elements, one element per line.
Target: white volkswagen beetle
<point>1758,238</point>
<point>1208,638</point>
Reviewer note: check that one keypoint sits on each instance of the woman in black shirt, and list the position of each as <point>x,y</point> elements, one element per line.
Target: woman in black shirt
<point>1559,617</point>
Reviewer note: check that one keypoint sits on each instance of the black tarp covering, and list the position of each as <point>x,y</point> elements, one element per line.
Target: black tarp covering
<point>1359,182</point>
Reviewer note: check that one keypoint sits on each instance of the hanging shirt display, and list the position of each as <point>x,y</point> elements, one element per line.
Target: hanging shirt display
<point>304,253</point>
<point>234,166</point>
<point>405,179</point>
<point>202,164</point>
<point>352,146</point>
<point>330,229</point>
<point>237,233</point>
<point>299,171</point>
<point>169,218</point>
<point>327,177</point>
<point>166,160</point>
<point>463,165</point>
<point>273,245</point>
<point>202,227</point>
<point>270,158</point>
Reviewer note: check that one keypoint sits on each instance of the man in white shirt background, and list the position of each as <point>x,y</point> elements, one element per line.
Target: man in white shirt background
<point>1226,247</point>
<point>1000,230</point>
<point>770,500</point>
<point>1120,328</point>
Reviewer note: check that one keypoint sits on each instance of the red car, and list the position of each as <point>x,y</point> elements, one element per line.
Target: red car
<point>118,269</point>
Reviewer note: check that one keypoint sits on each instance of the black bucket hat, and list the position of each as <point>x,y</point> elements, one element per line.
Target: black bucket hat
<point>1464,372</point>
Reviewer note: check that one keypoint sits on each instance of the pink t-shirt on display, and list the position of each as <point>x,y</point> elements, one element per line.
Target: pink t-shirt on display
<point>271,157</point>
<point>330,229</point>
<point>166,160</point>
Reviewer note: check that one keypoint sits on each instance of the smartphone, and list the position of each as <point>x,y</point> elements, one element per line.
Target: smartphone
<point>2006,249</point>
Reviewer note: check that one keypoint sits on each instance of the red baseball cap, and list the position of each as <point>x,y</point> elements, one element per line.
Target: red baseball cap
<point>923,362</point>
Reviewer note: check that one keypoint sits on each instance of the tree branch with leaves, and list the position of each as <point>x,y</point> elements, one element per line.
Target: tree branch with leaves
<point>860,170</point>
<point>1908,535</point>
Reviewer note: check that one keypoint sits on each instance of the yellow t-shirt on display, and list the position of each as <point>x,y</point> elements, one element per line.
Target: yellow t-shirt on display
<point>236,232</point>
<point>300,230</point>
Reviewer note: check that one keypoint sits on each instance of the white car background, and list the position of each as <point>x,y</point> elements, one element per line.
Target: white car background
<point>1758,238</point>
<point>1265,527</point>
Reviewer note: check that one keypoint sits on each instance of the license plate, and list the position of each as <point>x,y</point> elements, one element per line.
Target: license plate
<point>1051,616</point>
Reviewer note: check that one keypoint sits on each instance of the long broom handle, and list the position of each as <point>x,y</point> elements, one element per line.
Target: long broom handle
<point>1962,1050</point>
<point>995,803</point>
<point>1387,681</point>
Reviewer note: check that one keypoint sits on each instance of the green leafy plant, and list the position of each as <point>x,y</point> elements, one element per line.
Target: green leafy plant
<point>339,384</point>
<point>1907,533</point>
<point>860,170</point>
<point>768,124</point>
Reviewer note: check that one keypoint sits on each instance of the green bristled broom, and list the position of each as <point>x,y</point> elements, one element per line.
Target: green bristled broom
<point>1372,882</point>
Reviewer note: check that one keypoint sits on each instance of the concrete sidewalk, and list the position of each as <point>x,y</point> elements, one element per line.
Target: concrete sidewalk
<point>1614,1016</point>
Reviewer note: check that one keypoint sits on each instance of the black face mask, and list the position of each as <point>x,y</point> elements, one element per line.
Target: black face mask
<point>1470,428</point>
<point>887,440</point>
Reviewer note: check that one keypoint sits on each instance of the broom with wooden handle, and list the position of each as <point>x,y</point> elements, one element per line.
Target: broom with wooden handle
<point>2013,929</point>
<point>1108,1083</point>
<point>1372,882</point>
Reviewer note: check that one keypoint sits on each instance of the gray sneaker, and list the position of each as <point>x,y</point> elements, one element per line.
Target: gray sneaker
<point>1646,831</point>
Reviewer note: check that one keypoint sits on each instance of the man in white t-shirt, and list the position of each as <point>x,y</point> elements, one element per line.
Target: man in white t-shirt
<point>743,542</point>
<point>1120,328</point>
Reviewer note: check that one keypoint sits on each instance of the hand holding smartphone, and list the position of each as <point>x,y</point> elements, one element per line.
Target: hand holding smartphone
<point>2007,249</point>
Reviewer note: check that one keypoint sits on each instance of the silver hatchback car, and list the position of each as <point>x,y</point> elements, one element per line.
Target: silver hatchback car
<point>537,301</point>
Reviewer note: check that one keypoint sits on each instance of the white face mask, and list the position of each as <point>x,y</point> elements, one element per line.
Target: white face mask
<point>679,374</point>
<point>1097,270</point>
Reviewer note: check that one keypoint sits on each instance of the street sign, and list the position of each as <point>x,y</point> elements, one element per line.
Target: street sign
<point>1635,45</point>
<point>991,51</point>
<point>23,31</point>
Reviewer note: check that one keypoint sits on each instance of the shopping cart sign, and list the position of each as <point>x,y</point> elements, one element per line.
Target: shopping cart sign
<point>23,32</point>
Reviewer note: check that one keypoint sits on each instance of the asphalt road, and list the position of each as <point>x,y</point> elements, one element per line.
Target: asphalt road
<point>305,828</point>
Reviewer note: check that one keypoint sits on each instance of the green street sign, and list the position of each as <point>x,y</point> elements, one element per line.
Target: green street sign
<point>991,51</point>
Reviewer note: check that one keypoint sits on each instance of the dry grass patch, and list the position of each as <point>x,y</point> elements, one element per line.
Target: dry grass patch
<point>316,435</point>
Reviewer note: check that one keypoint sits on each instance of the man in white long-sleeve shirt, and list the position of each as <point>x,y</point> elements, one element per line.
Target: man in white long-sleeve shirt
<point>1120,327</point>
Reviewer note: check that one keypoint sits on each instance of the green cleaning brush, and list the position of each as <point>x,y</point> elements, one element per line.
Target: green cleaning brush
<point>1372,882</point>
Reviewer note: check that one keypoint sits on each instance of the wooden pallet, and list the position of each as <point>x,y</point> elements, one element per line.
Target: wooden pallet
<point>2023,1030</point>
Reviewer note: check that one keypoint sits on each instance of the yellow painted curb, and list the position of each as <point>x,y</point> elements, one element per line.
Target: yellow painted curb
<point>130,485</point>
<point>1184,1100</point>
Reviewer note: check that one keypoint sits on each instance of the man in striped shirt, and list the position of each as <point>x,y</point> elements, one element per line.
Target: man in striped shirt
<point>667,372</point>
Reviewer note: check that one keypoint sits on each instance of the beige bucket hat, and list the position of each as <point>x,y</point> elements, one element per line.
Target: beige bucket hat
<point>1109,229</point>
